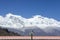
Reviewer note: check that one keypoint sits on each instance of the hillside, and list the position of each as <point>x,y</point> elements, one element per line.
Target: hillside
<point>5,32</point>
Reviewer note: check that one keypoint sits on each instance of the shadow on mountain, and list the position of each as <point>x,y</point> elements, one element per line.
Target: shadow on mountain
<point>5,32</point>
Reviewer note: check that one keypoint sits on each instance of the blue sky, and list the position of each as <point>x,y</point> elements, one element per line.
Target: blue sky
<point>29,8</point>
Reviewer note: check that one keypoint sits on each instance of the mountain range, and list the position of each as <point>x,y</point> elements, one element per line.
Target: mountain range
<point>40,25</point>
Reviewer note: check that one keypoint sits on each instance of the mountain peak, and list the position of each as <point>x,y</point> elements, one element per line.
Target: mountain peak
<point>9,14</point>
<point>38,16</point>
<point>16,21</point>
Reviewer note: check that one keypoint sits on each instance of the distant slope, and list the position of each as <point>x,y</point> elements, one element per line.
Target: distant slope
<point>5,32</point>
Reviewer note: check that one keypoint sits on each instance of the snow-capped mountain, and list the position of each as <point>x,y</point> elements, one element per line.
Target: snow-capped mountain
<point>39,24</point>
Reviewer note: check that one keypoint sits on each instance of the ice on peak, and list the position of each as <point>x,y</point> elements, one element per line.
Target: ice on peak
<point>38,16</point>
<point>9,14</point>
